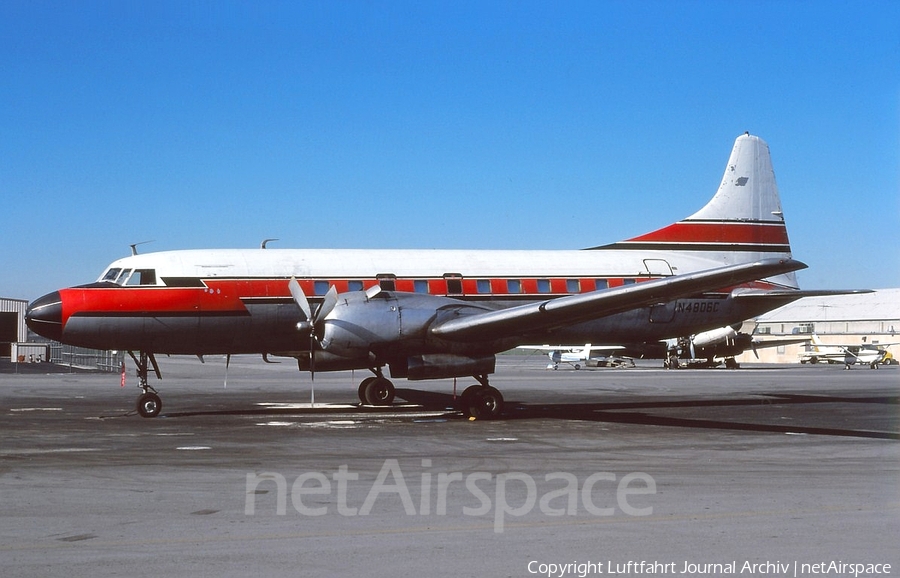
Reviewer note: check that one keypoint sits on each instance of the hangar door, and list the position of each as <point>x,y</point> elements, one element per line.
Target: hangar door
<point>9,332</point>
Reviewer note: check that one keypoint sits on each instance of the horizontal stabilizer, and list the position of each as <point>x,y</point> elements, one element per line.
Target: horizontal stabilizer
<point>793,294</point>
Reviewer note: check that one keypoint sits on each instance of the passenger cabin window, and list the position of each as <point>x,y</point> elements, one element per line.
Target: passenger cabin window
<point>543,285</point>
<point>420,286</point>
<point>513,286</point>
<point>573,285</point>
<point>321,287</point>
<point>483,285</point>
<point>628,281</point>
<point>355,285</point>
<point>602,284</point>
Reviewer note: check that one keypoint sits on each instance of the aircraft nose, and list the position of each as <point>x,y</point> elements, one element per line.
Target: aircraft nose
<point>44,316</point>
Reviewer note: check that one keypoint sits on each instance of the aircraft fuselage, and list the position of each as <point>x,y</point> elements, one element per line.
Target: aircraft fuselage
<point>237,301</point>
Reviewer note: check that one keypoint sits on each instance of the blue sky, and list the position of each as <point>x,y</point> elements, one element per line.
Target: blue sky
<point>437,125</point>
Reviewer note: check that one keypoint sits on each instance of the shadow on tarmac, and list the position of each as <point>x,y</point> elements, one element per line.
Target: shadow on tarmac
<point>621,412</point>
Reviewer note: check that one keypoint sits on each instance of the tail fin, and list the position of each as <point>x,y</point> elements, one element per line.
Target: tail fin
<point>742,222</point>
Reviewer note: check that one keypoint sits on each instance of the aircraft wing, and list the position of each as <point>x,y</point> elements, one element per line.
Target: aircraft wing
<point>563,311</point>
<point>870,346</point>
<point>572,348</point>
<point>763,343</point>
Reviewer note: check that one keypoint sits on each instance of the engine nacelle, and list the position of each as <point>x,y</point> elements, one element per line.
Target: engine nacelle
<point>443,365</point>
<point>389,324</point>
<point>358,323</point>
<point>714,336</point>
<point>327,362</point>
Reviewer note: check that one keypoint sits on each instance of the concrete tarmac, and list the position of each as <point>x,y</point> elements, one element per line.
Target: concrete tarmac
<point>762,470</point>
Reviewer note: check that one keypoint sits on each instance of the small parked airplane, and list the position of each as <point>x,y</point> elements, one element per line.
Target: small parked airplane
<point>579,356</point>
<point>872,354</point>
<point>433,314</point>
<point>704,350</point>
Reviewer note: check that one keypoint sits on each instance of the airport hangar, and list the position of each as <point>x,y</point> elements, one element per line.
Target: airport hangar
<point>835,319</point>
<point>838,319</point>
<point>12,325</point>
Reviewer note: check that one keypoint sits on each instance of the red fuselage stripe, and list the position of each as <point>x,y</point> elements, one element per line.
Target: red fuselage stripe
<point>718,232</point>
<point>220,296</point>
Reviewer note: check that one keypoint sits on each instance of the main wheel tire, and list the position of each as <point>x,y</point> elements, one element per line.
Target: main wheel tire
<point>484,403</point>
<point>363,386</point>
<point>149,405</point>
<point>465,399</point>
<point>380,391</point>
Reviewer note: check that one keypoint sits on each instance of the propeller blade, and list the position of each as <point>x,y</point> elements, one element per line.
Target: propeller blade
<point>310,321</point>
<point>307,324</point>
<point>312,356</point>
<point>328,303</point>
<point>300,298</point>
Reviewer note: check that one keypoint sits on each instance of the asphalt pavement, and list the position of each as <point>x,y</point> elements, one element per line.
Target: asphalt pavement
<point>776,470</point>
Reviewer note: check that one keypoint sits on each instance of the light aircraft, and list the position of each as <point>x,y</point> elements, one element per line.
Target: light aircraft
<point>579,357</point>
<point>704,350</point>
<point>871,354</point>
<point>430,314</point>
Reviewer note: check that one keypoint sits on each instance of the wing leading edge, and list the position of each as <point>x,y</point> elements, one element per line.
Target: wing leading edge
<point>586,306</point>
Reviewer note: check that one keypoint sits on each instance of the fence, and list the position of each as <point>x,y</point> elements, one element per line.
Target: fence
<point>81,358</point>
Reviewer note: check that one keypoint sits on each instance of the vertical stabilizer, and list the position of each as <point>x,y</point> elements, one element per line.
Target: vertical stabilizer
<point>748,192</point>
<point>742,222</point>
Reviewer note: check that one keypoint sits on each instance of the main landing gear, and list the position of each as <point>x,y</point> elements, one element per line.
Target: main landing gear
<point>149,403</point>
<point>376,390</point>
<point>481,401</point>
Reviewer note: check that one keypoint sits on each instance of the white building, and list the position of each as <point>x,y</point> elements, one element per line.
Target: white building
<point>844,319</point>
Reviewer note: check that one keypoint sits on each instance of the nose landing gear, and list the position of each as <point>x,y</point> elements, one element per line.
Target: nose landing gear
<point>149,403</point>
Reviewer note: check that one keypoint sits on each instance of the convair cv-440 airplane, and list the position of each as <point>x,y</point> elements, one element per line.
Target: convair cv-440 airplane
<point>440,313</point>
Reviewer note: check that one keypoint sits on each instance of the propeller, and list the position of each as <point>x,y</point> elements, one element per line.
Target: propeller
<point>312,323</point>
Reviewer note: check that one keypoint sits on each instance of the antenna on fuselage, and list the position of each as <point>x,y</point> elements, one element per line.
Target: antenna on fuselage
<point>134,247</point>
<point>265,241</point>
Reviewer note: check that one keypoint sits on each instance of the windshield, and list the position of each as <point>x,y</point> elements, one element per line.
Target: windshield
<point>129,277</point>
<point>111,275</point>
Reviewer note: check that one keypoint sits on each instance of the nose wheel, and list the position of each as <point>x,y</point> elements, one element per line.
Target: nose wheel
<point>149,403</point>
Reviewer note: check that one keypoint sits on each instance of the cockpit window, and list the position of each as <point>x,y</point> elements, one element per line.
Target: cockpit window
<point>129,277</point>
<point>142,277</point>
<point>111,275</point>
<point>122,279</point>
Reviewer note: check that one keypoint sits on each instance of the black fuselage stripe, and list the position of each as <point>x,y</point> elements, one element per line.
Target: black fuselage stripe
<point>682,246</point>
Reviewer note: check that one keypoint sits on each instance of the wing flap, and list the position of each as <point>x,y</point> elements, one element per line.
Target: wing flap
<point>597,304</point>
